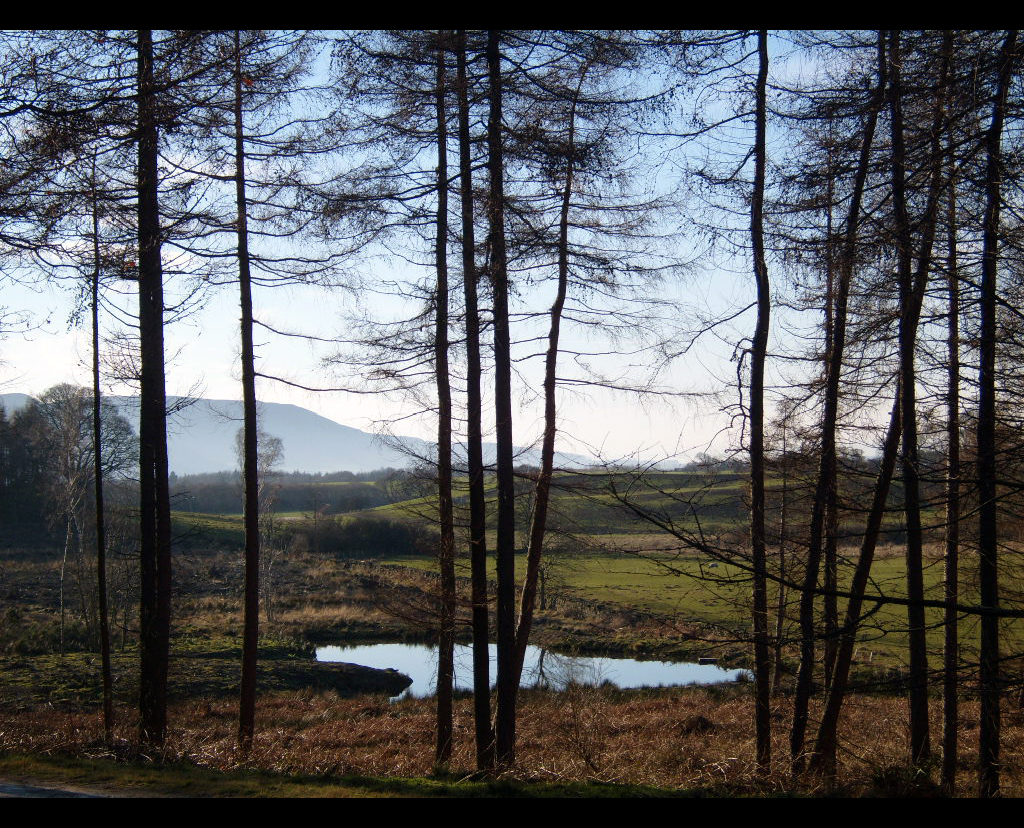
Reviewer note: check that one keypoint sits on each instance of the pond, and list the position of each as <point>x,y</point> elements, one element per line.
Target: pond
<point>542,668</point>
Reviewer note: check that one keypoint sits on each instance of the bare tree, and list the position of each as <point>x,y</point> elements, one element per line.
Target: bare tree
<point>951,575</point>
<point>484,731</point>
<point>446,517</point>
<point>250,433</point>
<point>505,715</point>
<point>988,538</point>
<point>758,352</point>
<point>64,435</point>
<point>154,495</point>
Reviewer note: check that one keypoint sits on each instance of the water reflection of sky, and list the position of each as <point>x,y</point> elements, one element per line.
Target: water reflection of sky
<point>419,662</point>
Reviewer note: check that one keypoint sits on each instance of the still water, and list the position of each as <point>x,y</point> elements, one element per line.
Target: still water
<point>542,668</point>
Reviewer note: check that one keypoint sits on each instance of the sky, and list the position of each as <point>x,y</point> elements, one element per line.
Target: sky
<point>203,355</point>
<point>203,359</point>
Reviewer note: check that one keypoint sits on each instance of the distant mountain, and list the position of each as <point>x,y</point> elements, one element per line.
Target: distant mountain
<point>201,438</point>
<point>14,402</point>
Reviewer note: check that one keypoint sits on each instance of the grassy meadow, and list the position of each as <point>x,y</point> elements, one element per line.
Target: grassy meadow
<point>600,549</point>
<point>613,584</point>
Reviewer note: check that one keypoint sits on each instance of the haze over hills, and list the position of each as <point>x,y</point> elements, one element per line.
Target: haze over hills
<point>201,438</point>
<point>12,402</point>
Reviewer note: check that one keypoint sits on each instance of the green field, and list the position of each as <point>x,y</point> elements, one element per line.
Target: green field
<point>601,551</point>
<point>691,590</point>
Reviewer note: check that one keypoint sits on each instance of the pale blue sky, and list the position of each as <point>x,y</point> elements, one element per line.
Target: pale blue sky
<point>203,351</point>
<point>203,355</point>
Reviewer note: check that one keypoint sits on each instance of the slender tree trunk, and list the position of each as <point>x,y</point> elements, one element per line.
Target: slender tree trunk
<point>823,759</point>
<point>831,581</point>
<point>63,567</point>
<point>988,538</point>
<point>827,468</point>
<point>250,432</point>
<point>780,617</point>
<point>97,450</point>
<point>758,353</point>
<point>951,645</point>
<point>912,288</point>
<point>446,551</point>
<point>505,722</point>
<point>83,601</point>
<point>920,747</point>
<point>474,430</point>
<point>831,518</point>
<point>542,490</point>
<point>154,501</point>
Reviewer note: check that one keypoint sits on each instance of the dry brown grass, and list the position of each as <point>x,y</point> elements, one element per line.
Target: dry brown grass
<point>316,614</point>
<point>694,738</point>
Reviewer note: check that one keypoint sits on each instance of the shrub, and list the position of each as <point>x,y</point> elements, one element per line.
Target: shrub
<point>363,537</point>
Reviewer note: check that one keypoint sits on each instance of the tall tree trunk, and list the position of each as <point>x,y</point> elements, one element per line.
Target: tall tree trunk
<point>920,747</point>
<point>97,444</point>
<point>505,722</point>
<point>951,645</point>
<point>758,353</point>
<point>542,489</point>
<point>474,435</point>
<point>912,289</point>
<point>827,468</point>
<point>446,550</point>
<point>831,519</point>
<point>988,538</point>
<point>250,431</point>
<point>154,500</point>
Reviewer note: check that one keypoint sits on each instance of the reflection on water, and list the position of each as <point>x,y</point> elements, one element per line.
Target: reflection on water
<point>542,668</point>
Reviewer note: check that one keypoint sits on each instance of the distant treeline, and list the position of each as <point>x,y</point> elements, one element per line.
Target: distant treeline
<point>23,463</point>
<point>333,493</point>
<point>360,537</point>
<point>233,476</point>
<point>46,460</point>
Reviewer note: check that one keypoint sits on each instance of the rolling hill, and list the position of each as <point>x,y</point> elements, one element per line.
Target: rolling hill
<point>201,438</point>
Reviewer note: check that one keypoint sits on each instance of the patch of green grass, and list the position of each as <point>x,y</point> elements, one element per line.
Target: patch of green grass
<point>693,589</point>
<point>660,584</point>
<point>208,529</point>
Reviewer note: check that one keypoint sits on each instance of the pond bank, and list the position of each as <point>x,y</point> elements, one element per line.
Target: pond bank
<point>195,672</point>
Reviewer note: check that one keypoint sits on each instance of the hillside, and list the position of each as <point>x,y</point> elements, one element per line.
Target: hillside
<point>201,438</point>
